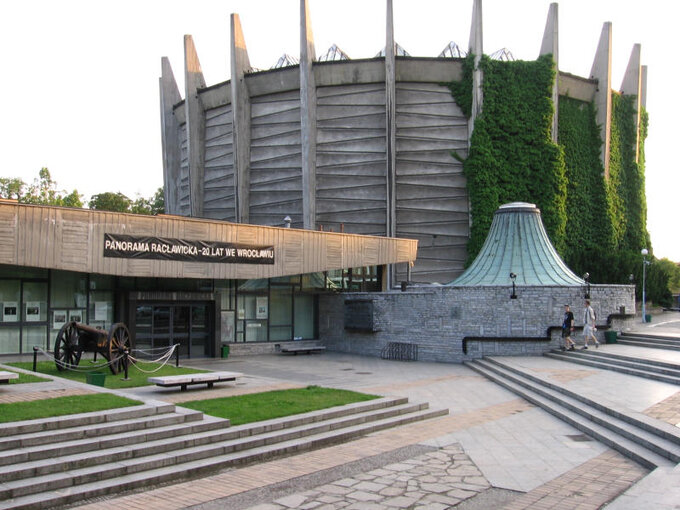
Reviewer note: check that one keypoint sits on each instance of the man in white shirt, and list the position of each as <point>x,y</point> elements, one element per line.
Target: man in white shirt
<point>589,325</point>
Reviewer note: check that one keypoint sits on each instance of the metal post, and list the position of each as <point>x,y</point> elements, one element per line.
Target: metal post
<point>35,359</point>
<point>644,278</point>
<point>125,364</point>
<point>177,355</point>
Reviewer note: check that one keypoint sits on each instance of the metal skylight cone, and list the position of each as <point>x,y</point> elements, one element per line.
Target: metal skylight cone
<point>517,243</point>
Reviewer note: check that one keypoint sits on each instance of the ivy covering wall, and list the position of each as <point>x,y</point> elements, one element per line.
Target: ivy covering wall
<point>512,157</point>
<point>596,222</point>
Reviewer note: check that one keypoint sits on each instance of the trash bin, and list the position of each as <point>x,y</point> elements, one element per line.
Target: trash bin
<point>610,337</point>
<point>648,318</point>
<point>95,378</point>
<point>225,351</point>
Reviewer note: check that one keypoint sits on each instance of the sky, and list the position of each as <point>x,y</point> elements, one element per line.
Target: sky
<point>80,77</point>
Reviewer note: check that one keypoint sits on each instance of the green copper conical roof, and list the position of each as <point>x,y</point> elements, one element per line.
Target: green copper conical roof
<point>517,243</point>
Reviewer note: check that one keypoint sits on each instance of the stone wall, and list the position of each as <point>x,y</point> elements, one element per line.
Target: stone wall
<point>437,319</point>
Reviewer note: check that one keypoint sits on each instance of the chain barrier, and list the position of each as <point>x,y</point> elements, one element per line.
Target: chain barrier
<point>75,368</point>
<point>163,360</point>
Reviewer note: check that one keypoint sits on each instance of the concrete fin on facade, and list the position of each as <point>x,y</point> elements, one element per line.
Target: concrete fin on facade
<point>632,86</point>
<point>602,72</point>
<point>517,244</point>
<point>195,125</point>
<point>643,87</point>
<point>307,117</point>
<point>476,47</point>
<point>240,101</point>
<point>169,96</point>
<point>550,46</point>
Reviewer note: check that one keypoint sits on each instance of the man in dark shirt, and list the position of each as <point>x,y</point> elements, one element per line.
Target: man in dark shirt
<point>567,328</point>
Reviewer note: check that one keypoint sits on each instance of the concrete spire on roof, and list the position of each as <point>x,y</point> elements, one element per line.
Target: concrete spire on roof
<point>517,243</point>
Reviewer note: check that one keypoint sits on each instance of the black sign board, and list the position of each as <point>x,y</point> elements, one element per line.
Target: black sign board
<point>158,248</point>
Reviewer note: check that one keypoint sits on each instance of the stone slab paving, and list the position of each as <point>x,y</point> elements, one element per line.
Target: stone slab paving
<point>436,480</point>
<point>635,393</point>
<point>26,396</point>
<point>667,410</point>
<point>518,449</point>
<point>589,486</point>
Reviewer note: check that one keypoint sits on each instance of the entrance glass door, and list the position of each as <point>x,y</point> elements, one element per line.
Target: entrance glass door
<point>160,326</point>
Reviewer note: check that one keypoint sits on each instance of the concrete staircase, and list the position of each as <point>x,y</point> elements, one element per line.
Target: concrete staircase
<point>650,442</point>
<point>55,462</point>
<point>649,369</point>
<point>654,341</point>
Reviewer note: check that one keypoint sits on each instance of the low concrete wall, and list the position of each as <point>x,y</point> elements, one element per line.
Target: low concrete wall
<point>438,319</point>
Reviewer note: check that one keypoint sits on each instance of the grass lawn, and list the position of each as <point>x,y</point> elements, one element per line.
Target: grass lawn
<point>136,376</point>
<point>26,378</point>
<point>46,408</point>
<point>254,407</point>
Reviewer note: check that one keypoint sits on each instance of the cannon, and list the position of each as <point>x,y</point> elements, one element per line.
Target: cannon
<point>75,338</point>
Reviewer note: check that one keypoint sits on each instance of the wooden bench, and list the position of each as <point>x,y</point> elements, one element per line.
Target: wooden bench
<point>185,380</point>
<point>295,349</point>
<point>6,376</point>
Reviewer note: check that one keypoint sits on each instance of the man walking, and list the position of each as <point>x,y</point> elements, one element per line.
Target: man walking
<point>589,325</point>
<point>567,328</point>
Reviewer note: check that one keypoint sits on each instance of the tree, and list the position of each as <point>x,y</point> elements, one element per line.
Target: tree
<point>158,202</point>
<point>11,187</point>
<point>43,191</point>
<point>108,201</point>
<point>117,202</point>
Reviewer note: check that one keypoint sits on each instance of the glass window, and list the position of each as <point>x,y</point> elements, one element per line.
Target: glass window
<point>304,316</point>
<point>35,336</point>
<point>35,302</point>
<point>102,282</point>
<point>281,313</point>
<point>227,291</point>
<point>22,272</point>
<point>100,313</point>
<point>68,290</point>
<point>9,340</point>
<point>10,295</point>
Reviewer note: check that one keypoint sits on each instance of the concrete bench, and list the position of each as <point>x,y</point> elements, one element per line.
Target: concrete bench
<point>295,349</point>
<point>6,376</point>
<point>185,380</point>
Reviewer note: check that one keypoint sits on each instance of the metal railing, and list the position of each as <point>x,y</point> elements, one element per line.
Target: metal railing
<point>400,351</point>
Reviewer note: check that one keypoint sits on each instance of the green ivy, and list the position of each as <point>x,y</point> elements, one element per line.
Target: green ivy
<point>512,157</point>
<point>596,222</point>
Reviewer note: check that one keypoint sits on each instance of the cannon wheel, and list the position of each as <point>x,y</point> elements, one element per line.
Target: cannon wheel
<point>67,349</point>
<point>119,340</point>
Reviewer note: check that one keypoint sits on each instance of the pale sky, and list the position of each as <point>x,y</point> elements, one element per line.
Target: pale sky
<point>80,78</point>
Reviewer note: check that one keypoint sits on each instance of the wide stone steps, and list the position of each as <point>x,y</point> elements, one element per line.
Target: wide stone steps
<point>47,483</point>
<point>44,445</point>
<point>650,442</point>
<point>649,369</point>
<point>656,342</point>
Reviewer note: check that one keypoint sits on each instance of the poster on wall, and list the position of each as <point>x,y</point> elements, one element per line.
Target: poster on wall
<point>75,315</point>
<point>101,310</point>
<point>32,311</point>
<point>227,326</point>
<point>9,311</point>
<point>59,318</point>
<point>261,304</point>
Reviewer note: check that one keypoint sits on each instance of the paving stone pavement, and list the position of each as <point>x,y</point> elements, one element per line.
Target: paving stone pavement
<point>514,455</point>
<point>433,481</point>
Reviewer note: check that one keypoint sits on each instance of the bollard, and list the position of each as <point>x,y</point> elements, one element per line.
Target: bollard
<point>35,359</point>
<point>177,355</point>
<point>125,364</point>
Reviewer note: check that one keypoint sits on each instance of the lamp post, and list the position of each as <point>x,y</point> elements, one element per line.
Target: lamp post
<point>512,277</point>
<point>586,277</point>
<point>644,253</point>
